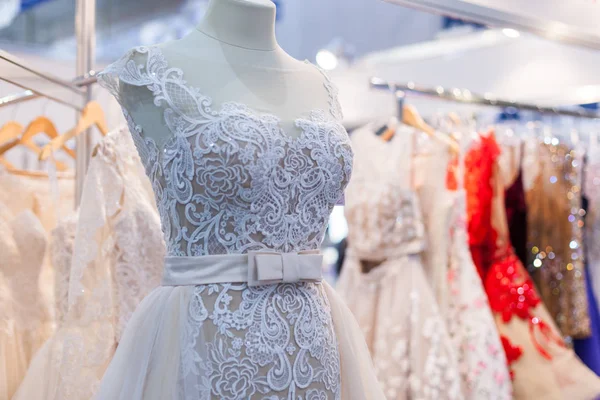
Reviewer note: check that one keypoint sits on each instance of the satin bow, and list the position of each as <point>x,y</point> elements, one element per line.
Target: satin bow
<point>267,268</point>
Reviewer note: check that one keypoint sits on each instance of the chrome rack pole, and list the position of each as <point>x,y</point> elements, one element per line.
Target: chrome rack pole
<point>466,96</point>
<point>27,95</point>
<point>85,28</point>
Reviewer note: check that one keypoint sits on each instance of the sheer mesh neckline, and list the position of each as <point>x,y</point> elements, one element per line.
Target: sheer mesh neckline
<point>232,107</point>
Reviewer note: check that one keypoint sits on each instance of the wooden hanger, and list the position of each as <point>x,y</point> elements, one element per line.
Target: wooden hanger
<point>390,130</point>
<point>10,131</point>
<point>454,118</point>
<point>92,115</point>
<point>44,125</point>
<point>411,117</point>
<point>7,146</point>
<point>6,163</point>
<point>31,146</point>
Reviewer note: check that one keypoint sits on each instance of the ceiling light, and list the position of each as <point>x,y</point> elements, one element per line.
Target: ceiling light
<point>511,33</point>
<point>327,60</point>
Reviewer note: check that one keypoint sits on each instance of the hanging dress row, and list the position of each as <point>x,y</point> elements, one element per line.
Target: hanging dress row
<point>409,278</point>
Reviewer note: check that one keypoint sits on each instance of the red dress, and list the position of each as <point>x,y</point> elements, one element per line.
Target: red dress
<point>541,365</point>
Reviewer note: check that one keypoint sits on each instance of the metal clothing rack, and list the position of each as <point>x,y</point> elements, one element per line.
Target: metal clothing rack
<point>75,94</point>
<point>87,80</point>
<point>468,97</point>
<point>40,82</point>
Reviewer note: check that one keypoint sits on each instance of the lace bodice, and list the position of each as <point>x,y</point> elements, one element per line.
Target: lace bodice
<point>229,179</point>
<point>380,205</point>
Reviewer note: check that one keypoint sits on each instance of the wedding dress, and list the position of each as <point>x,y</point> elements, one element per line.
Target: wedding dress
<point>458,287</point>
<point>21,192</point>
<point>242,311</point>
<point>26,318</point>
<point>383,280</point>
<point>116,260</point>
<point>13,360</point>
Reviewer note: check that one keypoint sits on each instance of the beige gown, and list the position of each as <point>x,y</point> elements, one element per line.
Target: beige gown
<point>383,280</point>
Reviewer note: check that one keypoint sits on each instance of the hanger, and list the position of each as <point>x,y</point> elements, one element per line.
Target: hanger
<point>390,129</point>
<point>411,117</point>
<point>44,125</point>
<point>6,163</point>
<point>31,146</point>
<point>454,118</point>
<point>92,115</point>
<point>10,131</point>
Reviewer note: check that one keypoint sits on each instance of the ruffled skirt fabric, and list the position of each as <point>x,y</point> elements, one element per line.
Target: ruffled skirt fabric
<point>228,341</point>
<point>18,345</point>
<point>412,351</point>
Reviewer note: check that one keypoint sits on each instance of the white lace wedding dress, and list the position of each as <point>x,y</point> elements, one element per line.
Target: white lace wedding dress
<point>26,321</point>
<point>242,312</point>
<point>116,261</point>
<point>393,302</point>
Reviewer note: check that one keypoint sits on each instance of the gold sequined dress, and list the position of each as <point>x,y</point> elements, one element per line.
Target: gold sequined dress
<point>554,214</point>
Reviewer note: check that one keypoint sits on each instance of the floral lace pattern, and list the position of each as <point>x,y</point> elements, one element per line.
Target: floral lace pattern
<point>244,359</point>
<point>229,181</point>
<point>470,321</point>
<point>117,260</point>
<point>62,240</point>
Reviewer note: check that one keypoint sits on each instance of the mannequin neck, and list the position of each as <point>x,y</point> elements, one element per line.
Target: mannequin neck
<point>249,24</point>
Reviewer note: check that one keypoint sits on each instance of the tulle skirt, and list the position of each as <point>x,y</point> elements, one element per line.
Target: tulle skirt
<point>412,351</point>
<point>18,345</point>
<point>13,360</point>
<point>232,341</point>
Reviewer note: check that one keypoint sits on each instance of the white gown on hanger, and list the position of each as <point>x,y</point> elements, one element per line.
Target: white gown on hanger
<point>33,192</point>
<point>28,322</point>
<point>117,260</point>
<point>456,282</point>
<point>13,359</point>
<point>393,302</point>
<point>240,200</point>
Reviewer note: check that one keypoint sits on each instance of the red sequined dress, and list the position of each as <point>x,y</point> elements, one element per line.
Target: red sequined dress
<point>541,365</point>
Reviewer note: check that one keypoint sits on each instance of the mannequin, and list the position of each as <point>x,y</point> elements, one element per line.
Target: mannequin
<point>233,56</point>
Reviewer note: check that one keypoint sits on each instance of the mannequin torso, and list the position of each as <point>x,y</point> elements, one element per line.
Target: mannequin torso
<point>233,56</point>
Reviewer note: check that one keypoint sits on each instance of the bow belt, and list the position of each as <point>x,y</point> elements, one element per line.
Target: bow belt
<point>255,268</point>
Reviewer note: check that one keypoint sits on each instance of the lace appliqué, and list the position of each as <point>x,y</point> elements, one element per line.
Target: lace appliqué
<point>231,181</point>
<point>61,252</point>
<point>118,259</point>
<point>276,338</point>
